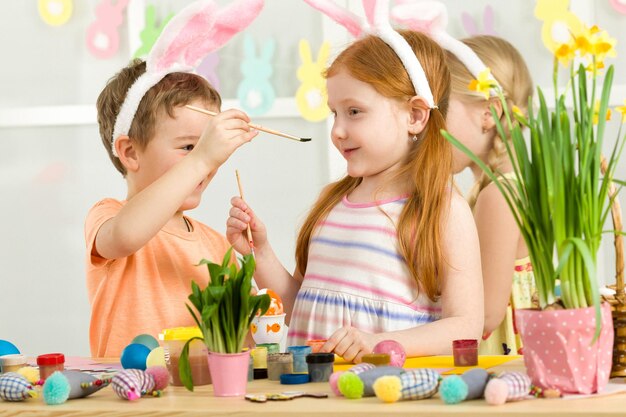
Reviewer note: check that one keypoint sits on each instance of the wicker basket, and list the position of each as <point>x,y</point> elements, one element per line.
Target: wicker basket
<point>617,301</point>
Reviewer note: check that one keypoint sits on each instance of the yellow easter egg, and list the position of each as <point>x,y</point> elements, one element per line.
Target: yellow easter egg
<point>156,357</point>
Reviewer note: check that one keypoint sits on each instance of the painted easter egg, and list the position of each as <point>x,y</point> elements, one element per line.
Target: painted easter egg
<point>276,304</point>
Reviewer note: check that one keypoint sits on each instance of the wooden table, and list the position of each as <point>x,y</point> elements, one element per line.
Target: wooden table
<point>178,401</point>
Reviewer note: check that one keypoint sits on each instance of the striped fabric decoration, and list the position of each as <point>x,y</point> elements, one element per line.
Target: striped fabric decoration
<point>15,387</point>
<point>519,385</point>
<point>131,384</point>
<point>418,384</point>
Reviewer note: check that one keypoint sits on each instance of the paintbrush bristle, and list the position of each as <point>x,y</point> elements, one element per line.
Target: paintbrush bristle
<point>305,139</point>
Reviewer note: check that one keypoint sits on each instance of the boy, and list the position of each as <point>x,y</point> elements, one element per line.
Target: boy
<point>142,252</point>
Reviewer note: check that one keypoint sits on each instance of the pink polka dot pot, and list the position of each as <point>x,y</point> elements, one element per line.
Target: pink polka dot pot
<point>558,349</point>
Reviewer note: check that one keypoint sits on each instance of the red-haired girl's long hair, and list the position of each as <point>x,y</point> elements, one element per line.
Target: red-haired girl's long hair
<point>428,167</point>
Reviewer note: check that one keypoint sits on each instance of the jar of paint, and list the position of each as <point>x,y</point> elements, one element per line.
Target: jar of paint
<point>12,362</point>
<point>299,358</point>
<point>378,359</point>
<point>320,366</point>
<point>259,357</point>
<point>49,363</point>
<point>465,352</point>
<point>278,364</point>
<point>173,341</point>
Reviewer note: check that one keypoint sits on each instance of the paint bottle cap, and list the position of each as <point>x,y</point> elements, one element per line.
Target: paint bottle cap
<point>320,358</point>
<point>292,379</point>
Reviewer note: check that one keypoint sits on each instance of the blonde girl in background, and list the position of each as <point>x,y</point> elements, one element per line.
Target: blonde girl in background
<point>507,272</point>
<point>391,250</point>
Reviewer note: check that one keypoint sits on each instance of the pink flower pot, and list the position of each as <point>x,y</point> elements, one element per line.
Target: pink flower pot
<point>229,373</point>
<point>558,352</point>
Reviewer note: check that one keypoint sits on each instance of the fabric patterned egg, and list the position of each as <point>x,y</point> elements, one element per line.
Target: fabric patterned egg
<point>15,387</point>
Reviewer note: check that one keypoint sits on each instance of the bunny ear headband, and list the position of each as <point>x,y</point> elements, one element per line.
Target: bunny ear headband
<point>377,14</point>
<point>188,37</point>
<point>431,17</point>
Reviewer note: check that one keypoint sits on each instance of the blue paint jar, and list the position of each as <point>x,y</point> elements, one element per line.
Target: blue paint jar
<point>299,358</point>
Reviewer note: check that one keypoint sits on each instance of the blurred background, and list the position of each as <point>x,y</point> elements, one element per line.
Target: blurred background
<point>58,55</point>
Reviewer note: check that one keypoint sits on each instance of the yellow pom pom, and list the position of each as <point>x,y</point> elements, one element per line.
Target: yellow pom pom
<point>31,373</point>
<point>388,388</point>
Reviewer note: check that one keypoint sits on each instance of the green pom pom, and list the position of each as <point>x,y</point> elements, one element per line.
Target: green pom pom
<point>56,389</point>
<point>351,386</point>
<point>453,390</point>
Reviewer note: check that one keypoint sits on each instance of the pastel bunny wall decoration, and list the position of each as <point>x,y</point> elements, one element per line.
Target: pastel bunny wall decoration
<point>311,96</point>
<point>151,31</point>
<point>255,92</point>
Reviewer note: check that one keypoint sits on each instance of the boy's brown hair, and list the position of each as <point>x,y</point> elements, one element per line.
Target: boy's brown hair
<point>174,90</point>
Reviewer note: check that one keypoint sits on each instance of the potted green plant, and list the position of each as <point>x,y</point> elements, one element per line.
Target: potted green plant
<point>223,312</point>
<point>560,201</point>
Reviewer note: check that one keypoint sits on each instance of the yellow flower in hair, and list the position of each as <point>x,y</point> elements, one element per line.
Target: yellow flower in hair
<point>483,84</point>
<point>596,112</point>
<point>565,53</point>
<point>622,110</point>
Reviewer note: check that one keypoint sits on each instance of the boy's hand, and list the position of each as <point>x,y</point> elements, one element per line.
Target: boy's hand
<point>222,136</point>
<point>350,343</point>
<point>239,217</point>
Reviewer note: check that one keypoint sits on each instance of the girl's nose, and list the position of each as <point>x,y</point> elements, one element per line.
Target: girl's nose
<point>337,132</point>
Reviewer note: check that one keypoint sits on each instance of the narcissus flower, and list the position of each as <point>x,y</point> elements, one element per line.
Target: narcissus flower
<point>483,84</point>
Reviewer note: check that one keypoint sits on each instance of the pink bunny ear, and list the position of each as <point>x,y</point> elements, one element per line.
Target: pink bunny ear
<point>344,17</point>
<point>229,21</point>
<point>185,28</point>
<point>377,12</point>
<point>427,17</point>
<point>431,17</point>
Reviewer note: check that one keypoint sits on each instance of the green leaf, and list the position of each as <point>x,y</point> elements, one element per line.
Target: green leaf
<point>184,368</point>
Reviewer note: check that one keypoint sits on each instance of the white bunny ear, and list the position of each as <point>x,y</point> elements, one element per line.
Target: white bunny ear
<point>197,30</point>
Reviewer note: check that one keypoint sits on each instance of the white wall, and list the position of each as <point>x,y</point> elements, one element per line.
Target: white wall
<point>52,171</point>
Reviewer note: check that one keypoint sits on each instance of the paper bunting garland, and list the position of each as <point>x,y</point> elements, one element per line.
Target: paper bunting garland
<point>311,96</point>
<point>55,12</point>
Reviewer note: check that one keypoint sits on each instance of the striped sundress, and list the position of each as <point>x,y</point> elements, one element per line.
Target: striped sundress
<point>356,277</point>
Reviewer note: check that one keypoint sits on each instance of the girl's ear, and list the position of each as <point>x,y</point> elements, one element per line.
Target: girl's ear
<point>419,113</point>
<point>125,148</point>
<point>488,121</point>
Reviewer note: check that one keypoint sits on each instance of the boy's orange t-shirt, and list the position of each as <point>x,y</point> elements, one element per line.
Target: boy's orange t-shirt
<point>145,292</point>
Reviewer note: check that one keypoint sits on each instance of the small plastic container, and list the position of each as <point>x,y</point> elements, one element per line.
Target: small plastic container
<point>378,359</point>
<point>278,364</point>
<point>271,347</point>
<point>251,370</point>
<point>316,345</point>
<point>465,352</point>
<point>320,366</point>
<point>13,362</point>
<point>50,363</point>
<point>299,358</point>
<point>259,357</point>
<point>173,341</point>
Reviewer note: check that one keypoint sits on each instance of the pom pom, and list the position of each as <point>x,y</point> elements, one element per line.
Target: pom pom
<point>350,385</point>
<point>388,388</point>
<point>496,392</point>
<point>56,389</point>
<point>31,373</point>
<point>160,375</point>
<point>333,381</point>
<point>453,390</point>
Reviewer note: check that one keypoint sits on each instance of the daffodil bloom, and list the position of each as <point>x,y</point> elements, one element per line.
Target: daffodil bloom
<point>596,112</point>
<point>565,53</point>
<point>622,110</point>
<point>594,67</point>
<point>483,84</point>
<point>595,42</point>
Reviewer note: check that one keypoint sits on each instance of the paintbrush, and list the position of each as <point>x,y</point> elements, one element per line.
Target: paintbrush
<point>254,126</point>
<point>248,230</point>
